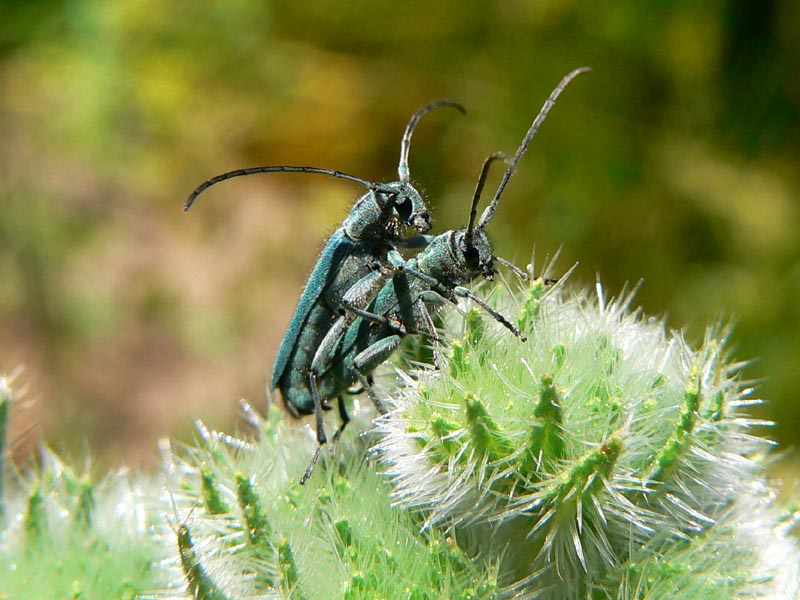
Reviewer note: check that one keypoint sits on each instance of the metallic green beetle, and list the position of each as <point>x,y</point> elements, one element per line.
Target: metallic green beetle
<point>405,304</point>
<point>351,268</point>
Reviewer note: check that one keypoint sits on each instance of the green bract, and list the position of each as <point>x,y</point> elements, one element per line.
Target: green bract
<point>65,535</point>
<point>600,453</point>
<point>604,458</point>
<point>247,529</point>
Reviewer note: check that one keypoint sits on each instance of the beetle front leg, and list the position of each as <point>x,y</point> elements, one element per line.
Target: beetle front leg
<point>430,297</point>
<point>465,293</point>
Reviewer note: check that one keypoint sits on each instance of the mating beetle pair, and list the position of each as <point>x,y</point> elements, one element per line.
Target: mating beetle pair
<point>362,297</point>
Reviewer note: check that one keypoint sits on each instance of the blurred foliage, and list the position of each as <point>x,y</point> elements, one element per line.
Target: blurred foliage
<point>674,161</point>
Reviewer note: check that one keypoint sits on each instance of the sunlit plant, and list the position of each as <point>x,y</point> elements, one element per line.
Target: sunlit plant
<point>604,458</point>
<point>67,535</point>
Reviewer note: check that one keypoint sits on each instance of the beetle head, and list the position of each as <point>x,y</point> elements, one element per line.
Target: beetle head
<point>407,206</point>
<point>475,252</point>
<point>475,245</point>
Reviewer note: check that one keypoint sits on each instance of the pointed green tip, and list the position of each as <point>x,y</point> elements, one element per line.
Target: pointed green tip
<point>212,497</point>
<point>487,436</point>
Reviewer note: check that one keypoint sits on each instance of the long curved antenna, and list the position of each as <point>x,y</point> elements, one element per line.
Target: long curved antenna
<point>276,169</point>
<point>473,211</point>
<point>405,143</point>
<point>548,104</point>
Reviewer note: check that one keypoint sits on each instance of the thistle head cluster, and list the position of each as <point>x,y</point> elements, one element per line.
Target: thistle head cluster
<point>599,451</point>
<point>245,528</point>
<point>64,534</point>
<point>604,458</point>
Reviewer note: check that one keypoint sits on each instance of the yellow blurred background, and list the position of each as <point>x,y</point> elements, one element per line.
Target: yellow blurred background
<point>674,161</point>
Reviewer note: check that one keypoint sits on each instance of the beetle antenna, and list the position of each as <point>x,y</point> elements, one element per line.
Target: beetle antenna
<point>405,143</point>
<point>473,212</point>
<point>548,104</point>
<point>175,513</point>
<point>272,169</point>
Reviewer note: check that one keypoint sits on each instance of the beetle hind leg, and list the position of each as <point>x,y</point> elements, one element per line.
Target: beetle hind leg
<point>344,419</point>
<point>373,396</point>
<point>322,439</point>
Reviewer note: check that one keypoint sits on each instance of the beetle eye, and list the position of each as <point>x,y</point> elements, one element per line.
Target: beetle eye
<point>403,207</point>
<point>471,255</point>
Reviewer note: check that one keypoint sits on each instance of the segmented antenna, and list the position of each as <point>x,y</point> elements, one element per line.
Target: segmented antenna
<point>276,169</point>
<point>548,104</point>
<point>473,211</point>
<point>405,143</point>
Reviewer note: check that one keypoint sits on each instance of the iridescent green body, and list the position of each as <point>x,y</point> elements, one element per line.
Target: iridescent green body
<point>355,250</point>
<point>408,301</point>
<point>349,272</point>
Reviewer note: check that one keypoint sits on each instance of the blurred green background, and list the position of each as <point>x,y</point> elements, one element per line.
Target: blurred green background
<point>675,161</point>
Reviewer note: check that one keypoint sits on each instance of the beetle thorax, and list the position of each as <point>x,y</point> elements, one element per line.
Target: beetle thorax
<point>441,262</point>
<point>372,218</point>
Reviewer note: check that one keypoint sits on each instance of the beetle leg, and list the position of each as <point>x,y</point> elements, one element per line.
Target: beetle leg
<point>435,284</point>
<point>427,320</point>
<point>362,292</point>
<point>368,359</point>
<point>465,293</point>
<point>344,419</point>
<point>326,351</point>
<point>374,318</point>
<point>512,267</point>
<point>373,396</point>
<point>321,437</point>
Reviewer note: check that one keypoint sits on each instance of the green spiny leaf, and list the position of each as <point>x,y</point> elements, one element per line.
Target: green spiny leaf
<point>258,528</point>
<point>668,458</point>
<point>487,437</point>
<point>212,499</point>
<point>201,585</point>
<point>35,517</point>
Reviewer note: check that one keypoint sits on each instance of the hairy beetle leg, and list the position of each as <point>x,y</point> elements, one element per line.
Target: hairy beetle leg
<point>465,293</point>
<point>512,267</point>
<point>322,439</point>
<point>373,396</point>
<point>310,467</point>
<point>343,417</point>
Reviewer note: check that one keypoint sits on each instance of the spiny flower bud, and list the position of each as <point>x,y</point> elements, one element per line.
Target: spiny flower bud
<point>604,442</point>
